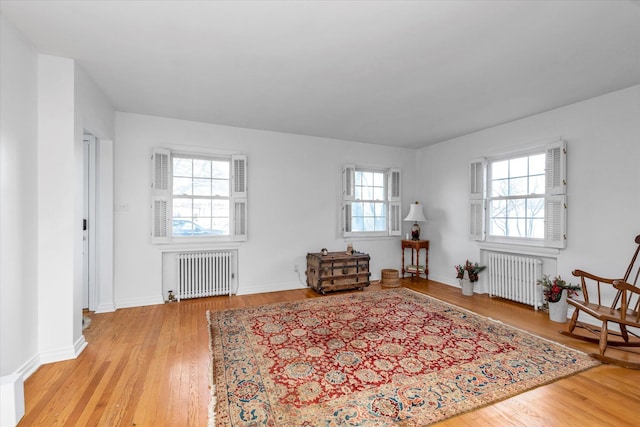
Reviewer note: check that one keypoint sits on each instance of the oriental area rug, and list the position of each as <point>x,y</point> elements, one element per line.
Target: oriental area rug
<point>370,358</point>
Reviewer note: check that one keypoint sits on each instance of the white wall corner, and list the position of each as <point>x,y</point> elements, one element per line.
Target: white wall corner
<point>64,353</point>
<point>11,399</point>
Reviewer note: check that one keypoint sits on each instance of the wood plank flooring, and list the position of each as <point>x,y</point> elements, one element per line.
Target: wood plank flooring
<point>148,366</point>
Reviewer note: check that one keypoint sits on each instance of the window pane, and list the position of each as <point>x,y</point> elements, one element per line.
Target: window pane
<point>357,223</point>
<point>368,224</point>
<point>536,184</point>
<point>201,208</point>
<point>357,209</point>
<point>535,208</point>
<point>367,193</point>
<point>201,187</point>
<point>537,164</point>
<point>369,213</point>
<point>220,187</point>
<point>201,168</point>
<point>368,209</point>
<point>500,170</point>
<point>516,208</point>
<point>518,186</point>
<point>519,167</point>
<point>537,228</point>
<point>203,225</point>
<point>500,188</point>
<point>378,193</point>
<point>182,167</point>
<point>220,226</point>
<point>201,203</point>
<point>220,208</point>
<point>182,186</point>
<point>498,227</point>
<point>221,169</point>
<point>381,224</point>
<point>379,209</point>
<point>498,208</point>
<point>516,227</point>
<point>182,208</point>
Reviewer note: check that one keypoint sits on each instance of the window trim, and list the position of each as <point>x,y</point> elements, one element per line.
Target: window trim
<point>393,202</point>
<point>162,196</point>
<point>555,198</point>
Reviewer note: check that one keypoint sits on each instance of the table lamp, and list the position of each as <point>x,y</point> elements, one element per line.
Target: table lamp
<point>416,215</point>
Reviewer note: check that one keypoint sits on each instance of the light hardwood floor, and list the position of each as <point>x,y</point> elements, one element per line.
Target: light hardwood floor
<point>148,366</point>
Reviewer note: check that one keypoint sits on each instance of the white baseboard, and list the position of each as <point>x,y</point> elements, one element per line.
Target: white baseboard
<point>139,302</point>
<point>11,399</point>
<point>273,287</point>
<point>105,308</point>
<point>64,353</point>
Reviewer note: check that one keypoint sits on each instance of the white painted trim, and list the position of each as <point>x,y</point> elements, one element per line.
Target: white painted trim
<point>64,353</point>
<point>106,308</point>
<point>272,287</point>
<point>11,399</point>
<point>520,249</point>
<point>139,302</point>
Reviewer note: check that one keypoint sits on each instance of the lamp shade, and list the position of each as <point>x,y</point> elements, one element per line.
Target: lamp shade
<point>415,213</point>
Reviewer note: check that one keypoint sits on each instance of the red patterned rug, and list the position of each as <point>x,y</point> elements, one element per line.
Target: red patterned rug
<point>370,358</point>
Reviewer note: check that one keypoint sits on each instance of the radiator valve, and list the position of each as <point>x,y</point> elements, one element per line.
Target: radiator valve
<point>171,298</point>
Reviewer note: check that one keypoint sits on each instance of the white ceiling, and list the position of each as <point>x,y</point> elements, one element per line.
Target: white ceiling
<point>400,73</point>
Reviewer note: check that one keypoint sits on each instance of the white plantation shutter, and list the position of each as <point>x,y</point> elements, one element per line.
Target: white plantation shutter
<point>239,198</point>
<point>556,169</point>
<point>395,202</point>
<point>555,211</point>
<point>477,182</point>
<point>160,196</point>
<point>555,216</point>
<point>476,219</point>
<point>348,190</point>
<point>477,175</point>
<point>348,182</point>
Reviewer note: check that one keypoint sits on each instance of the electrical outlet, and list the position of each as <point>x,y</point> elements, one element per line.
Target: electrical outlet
<point>295,268</point>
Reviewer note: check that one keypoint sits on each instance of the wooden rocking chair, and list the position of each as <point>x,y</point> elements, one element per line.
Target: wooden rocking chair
<point>624,312</point>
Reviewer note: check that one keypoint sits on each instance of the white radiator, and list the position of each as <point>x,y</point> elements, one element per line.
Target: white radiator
<point>205,274</point>
<point>514,277</point>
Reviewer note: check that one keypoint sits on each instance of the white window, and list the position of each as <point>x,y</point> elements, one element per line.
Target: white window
<point>520,198</point>
<point>196,197</point>
<point>371,201</point>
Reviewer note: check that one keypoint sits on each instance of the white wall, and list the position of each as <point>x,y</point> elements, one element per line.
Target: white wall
<point>95,113</point>
<point>58,175</point>
<point>603,183</point>
<point>18,219</point>
<point>46,102</point>
<point>294,186</point>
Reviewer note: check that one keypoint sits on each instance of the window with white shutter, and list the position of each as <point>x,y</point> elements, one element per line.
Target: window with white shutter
<point>196,197</point>
<point>371,201</point>
<point>520,198</point>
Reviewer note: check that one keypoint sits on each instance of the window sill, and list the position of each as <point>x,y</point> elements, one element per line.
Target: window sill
<point>520,249</point>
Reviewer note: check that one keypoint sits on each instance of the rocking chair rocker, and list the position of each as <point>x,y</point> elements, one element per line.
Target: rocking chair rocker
<point>624,312</point>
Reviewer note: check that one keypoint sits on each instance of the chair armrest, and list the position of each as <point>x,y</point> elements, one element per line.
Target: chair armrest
<point>584,274</point>
<point>624,286</point>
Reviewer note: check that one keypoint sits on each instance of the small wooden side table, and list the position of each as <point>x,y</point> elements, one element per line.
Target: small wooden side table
<point>415,268</point>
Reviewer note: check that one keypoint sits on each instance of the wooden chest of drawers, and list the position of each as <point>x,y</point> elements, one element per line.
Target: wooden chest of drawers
<point>337,271</point>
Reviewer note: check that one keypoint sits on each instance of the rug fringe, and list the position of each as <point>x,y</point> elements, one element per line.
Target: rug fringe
<point>212,386</point>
